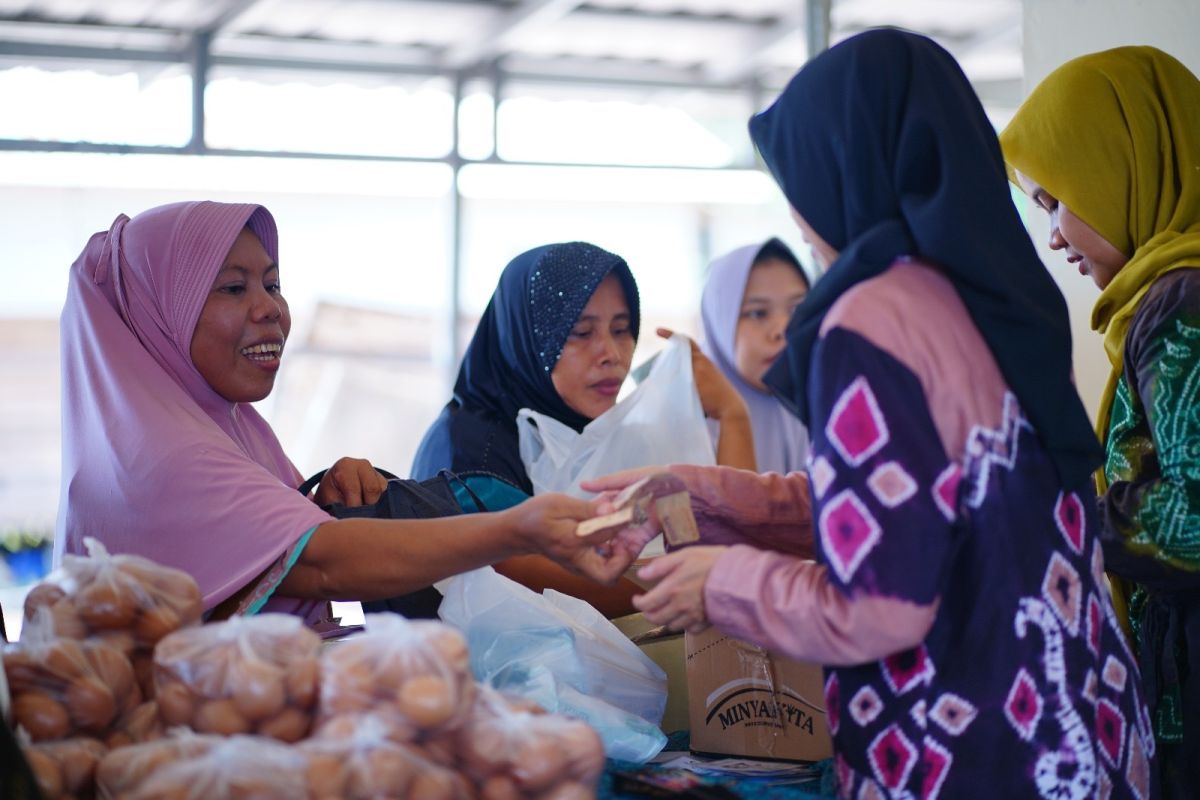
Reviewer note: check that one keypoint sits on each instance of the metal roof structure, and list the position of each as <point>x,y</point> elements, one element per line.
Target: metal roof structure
<point>751,45</point>
<point>708,62</point>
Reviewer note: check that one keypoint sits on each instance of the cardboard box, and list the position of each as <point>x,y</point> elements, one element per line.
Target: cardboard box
<point>745,702</point>
<point>666,650</point>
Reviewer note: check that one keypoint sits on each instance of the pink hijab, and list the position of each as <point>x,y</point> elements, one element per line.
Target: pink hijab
<point>155,462</point>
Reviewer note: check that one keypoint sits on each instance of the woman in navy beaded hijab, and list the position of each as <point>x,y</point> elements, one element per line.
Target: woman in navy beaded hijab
<point>512,360</point>
<point>557,337</point>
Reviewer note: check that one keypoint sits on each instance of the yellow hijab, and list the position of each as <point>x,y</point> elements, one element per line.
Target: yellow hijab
<point>1115,136</point>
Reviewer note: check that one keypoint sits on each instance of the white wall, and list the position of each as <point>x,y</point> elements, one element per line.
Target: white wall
<point>1056,31</point>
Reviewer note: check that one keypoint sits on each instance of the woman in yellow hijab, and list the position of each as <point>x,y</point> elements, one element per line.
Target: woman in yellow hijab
<point>1109,146</point>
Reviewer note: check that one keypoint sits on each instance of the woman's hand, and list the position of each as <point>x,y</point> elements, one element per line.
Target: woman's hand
<point>722,402</point>
<point>718,397</point>
<point>545,525</point>
<point>351,482</point>
<point>677,600</point>
<point>607,562</point>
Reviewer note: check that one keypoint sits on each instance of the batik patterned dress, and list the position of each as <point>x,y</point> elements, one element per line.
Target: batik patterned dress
<point>1151,511</point>
<point>941,523</point>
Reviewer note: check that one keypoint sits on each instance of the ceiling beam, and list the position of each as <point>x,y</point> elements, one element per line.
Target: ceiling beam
<point>224,14</point>
<point>491,42</point>
<point>813,19</point>
<point>745,63</point>
<point>32,50</point>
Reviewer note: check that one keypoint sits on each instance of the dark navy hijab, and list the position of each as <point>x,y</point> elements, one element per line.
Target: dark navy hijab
<point>507,365</point>
<point>883,148</point>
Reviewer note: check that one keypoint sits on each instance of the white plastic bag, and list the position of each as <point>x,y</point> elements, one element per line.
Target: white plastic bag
<point>562,654</point>
<point>660,422</point>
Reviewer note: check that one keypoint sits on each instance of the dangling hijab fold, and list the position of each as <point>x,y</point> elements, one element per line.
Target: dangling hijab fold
<point>1115,136</point>
<point>883,148</point>
<point>507,365</point>
<point>155,462</point>
<point>780,439</point>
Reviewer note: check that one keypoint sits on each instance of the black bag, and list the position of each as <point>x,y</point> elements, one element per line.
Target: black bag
<point>405,498</point>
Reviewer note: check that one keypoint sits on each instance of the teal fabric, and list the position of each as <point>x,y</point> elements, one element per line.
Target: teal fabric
<point>257,605</point>
<point>494,493</point>
<point>823,787</point>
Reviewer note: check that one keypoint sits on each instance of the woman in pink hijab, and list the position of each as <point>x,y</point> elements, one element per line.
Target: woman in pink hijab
<point>174,323</point>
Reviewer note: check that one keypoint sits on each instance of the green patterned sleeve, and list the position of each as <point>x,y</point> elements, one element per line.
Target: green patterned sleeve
<point>1153,464</point>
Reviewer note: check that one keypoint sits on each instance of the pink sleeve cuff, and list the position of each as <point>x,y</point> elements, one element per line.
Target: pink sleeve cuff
<point>787,605</point>
<point>735,506</point>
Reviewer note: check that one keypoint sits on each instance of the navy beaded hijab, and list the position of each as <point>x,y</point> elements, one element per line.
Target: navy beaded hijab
<point>507,365</point>
<point>883,148</point>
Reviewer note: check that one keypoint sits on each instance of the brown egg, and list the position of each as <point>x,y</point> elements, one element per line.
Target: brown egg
<point>78,760</point>
<point>389,674</point>
<point>64,659</point>
<point>113,668</point>
<point>41,715</point>
<point>500,787</point>
<point>91,704</point>
<point>22,670</point>
<point>164,787</point>
<point>346,688</point>
<point>176,704</point>
<point>387,771</point>
<point>484,750</point>
<point>340,727</point>
<point>44,594</point>
<point>434,784</point>
<point>121,640</point>
<point>571,790</point>
<point>326,776</point>
<point>451,645</point>
<point>67,622</point>
<point>122,771</point>
<point>583,749</point>
<point>142,724</point>
<point>289,725</point>
<point>156,623</point>
<point>428,700</point>
<point>539,763</point>
<point>219,716</point>
<point>301,682</point>
<point>191,609</point>
<point>107,605</point>
<point>442,749</point>
<point>143,672</point>
<point>46,773</point>
<point>258,690</point>
<point>112,774</point>
<point>118,739</point>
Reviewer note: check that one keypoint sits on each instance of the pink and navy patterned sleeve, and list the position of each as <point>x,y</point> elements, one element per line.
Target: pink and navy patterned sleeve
<point>885,504</point>
<point>885,491</point>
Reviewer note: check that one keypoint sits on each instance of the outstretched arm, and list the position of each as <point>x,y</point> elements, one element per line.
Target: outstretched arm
<point>371,559</point>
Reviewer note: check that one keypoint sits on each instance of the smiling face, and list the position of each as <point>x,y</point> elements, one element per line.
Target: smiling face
<point>1094,255</point>
<point>773,291</point>
<point>239,337</point>
<point>598,352</point>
